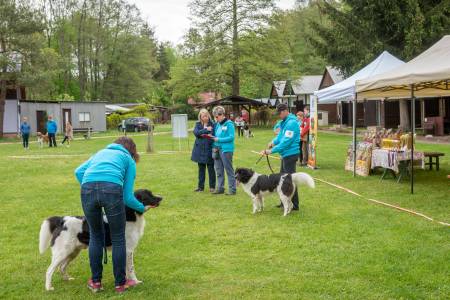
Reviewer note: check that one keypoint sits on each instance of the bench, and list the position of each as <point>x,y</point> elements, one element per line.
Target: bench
<point>86,132</point>
<point>432,155</point>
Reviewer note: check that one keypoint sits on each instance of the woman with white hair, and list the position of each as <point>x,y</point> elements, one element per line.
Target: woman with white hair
<point>202,151</point>
<point>223,149</point>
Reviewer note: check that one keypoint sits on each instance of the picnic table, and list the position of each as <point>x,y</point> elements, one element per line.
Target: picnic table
<point>394,161</point>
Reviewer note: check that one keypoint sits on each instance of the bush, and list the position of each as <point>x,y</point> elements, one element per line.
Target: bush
<point>113,120</point>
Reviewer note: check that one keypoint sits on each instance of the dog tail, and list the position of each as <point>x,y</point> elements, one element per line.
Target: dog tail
<point>45,236</point>
<point>303,179</point>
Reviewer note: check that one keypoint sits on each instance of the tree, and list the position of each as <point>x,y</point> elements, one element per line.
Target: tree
<point>227,21</point>
<point>351,33</point>
<point>20,43</point>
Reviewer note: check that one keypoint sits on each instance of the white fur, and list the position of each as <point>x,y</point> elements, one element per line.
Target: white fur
<point>67,246</point>
<point>258,199</point>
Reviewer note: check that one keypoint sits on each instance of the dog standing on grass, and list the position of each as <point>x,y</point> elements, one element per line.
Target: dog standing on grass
<point>67,236</point>
<point>41,139</point>
<point>247,132</point>
<point>257,186</point>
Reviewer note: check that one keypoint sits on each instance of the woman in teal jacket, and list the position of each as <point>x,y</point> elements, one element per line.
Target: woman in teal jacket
<point>107,181</point>
<point>223,149</point>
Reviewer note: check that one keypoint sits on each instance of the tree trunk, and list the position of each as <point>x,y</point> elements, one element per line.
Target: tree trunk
<point>235,71</point>
<point>404,115</point>
<point>2,104</point>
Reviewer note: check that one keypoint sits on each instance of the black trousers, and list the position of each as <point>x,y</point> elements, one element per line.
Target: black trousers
<point>51,140</point>
<point>288,165</point>
<point>239,130</point>
<point>202,176</point>
<point>25,137</point>
<point>66,138</point>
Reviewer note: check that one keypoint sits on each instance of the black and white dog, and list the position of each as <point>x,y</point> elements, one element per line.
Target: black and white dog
<point>247,132</point>
<point>67,236</point>
<point>257,186</point>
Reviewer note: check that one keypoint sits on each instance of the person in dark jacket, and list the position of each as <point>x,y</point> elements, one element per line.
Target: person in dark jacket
<point>202,151</point>
<point>25,132</point>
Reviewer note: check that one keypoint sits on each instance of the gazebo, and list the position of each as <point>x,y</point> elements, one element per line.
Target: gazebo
<point>427,75</point>
<point>237,103</point>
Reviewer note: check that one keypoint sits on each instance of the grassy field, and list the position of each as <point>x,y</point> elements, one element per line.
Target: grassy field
<point>200,246</point>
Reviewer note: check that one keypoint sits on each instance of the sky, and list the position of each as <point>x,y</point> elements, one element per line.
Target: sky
<point>170,18</point>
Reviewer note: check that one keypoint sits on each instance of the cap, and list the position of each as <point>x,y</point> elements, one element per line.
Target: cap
<point>281,107</point>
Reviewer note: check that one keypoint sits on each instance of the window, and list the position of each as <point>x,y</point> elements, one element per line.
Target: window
<point>84,117</point>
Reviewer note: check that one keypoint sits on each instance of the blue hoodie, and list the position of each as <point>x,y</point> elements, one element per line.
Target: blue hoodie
<point>52,127</point>
<point>224,131</point>
<point>113,164</point>
<point>25,128</point>
<point>287,142</point>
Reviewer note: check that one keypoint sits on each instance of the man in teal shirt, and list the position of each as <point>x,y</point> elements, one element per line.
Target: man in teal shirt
<point>287,144</point>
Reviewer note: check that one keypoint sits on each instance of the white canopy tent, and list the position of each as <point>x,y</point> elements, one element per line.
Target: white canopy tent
<point>345,90</point>
<point>427,75</point>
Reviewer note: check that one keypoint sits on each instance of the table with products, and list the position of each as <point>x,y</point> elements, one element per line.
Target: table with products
<point>395,161</point>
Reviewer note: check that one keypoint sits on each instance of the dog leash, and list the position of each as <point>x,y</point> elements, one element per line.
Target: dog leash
<point>268,162</point>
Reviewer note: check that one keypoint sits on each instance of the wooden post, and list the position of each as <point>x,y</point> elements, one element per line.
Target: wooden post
<point>413,131</point>
<point>150,143</point>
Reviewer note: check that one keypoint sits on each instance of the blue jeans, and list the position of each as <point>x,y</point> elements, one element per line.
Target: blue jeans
<point>223,162</point>
<point>202,176</point>
<point>109,196</point>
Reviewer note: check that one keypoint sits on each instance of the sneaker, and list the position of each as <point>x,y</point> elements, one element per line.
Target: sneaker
<point>198,190</point>
<point>121,288</point>
<point>131,282</point>
<point>218,192</point>
<point>295,208</point>
<point>211,190</point>
<point>94,286</point>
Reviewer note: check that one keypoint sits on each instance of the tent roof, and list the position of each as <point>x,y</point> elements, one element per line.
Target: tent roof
<point>307,84</point>
<point>429,72</point>
<point>234,100</point>
<point>345,90</point>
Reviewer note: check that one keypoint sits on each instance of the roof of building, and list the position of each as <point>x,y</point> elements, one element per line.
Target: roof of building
<point>204,98</point>
<point>307,84</point>
<point>335,74</point>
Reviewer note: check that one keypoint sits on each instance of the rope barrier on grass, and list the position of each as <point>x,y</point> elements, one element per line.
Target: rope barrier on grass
<point>373,200</point>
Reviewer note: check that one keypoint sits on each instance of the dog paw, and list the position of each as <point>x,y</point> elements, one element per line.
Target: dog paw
<point>50,288</point>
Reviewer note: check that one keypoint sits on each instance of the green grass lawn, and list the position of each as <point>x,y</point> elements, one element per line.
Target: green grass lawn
<point>200,246</point>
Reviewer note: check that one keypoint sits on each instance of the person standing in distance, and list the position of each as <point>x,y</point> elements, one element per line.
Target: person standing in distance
<point>223,149</point>
<point>25,132</point>
<point>287,144</point>
<point>52,128</point>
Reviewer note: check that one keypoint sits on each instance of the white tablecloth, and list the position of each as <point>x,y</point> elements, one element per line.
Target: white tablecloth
<point>390,159</point>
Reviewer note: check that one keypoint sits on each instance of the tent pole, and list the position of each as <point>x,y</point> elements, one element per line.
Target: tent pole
<point>413,129</point>
<point>354,136</point>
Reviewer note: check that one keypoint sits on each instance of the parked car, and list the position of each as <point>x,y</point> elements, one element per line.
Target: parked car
<point>134,124</point>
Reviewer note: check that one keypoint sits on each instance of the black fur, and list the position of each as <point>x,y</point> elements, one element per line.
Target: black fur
<point>264,183</point>
<point>287,187</point>
<point>243,175</point>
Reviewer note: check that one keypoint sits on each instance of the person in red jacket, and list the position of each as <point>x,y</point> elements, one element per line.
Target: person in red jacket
<point>304,134</point>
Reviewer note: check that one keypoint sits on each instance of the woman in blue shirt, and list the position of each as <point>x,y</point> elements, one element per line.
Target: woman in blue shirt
<point>107,181</point>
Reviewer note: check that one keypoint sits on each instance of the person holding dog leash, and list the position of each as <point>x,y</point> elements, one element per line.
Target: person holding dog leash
<point>107,181</point>
<point>223,149</point>
<point>287,143</point>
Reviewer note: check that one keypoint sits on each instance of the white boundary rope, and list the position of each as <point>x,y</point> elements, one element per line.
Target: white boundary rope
<point>373,200</point>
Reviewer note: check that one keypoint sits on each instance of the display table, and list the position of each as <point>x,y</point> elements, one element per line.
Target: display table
<point>397,161</point>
